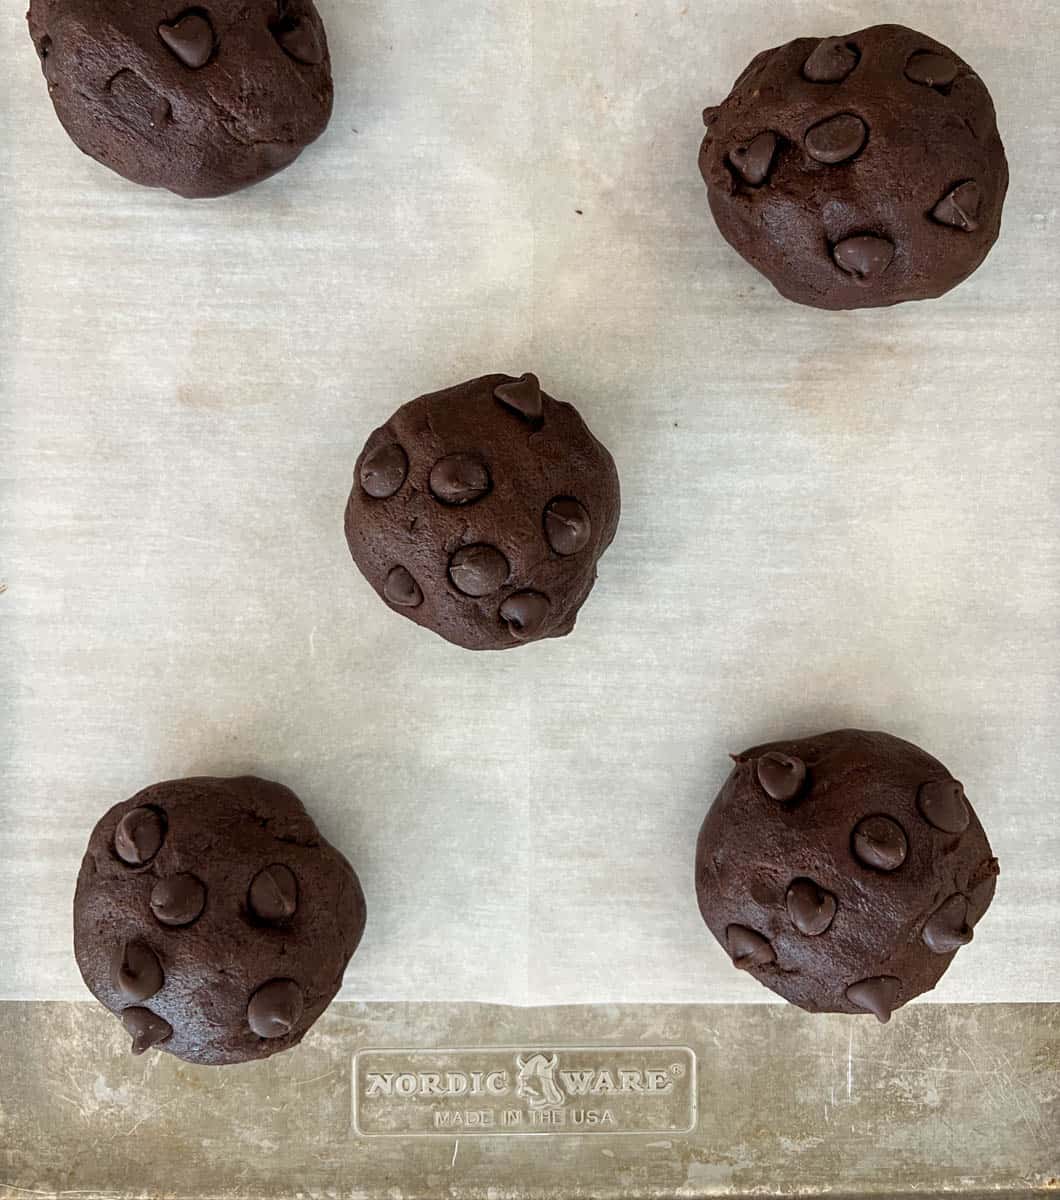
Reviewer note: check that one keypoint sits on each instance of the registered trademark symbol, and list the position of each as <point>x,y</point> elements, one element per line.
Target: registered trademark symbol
<point>677,1070</point>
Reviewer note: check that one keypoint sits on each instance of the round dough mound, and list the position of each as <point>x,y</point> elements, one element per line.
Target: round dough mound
<point>843,871</point>
<point>201,100</point>
<point>480,512</point>
<point>858,171</point>
<point>213,918</point>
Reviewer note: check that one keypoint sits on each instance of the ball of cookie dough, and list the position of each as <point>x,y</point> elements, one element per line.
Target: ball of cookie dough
<point>202,100</point>
<point>213,919</point>
<point>480,512</point>
<point>857,171</point>
<point>843,871</point>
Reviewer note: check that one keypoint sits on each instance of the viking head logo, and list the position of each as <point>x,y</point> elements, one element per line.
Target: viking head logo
<point>536,1083</point>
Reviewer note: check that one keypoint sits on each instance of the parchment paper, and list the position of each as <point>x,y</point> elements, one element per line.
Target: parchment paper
<point>829,519</point>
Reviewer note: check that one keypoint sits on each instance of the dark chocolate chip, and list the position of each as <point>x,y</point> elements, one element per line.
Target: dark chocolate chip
<point>748,948</point>
<point>384,470</point>
<point>136,971</point>
<point>275,1008</point>
<point>139,836</point>
<point>831,61</point>
<point>145,1027</point>
<point>190,38</point>
<point>810,907</point>
<point>947,928</point>
<point>780,775</point>
<point>44,52</point>
<point>178,900</point>
<point>273,894</point>
<point>161,112</point>
<point>836,139</point>
<point>567,526</point>
<point>136,102</point>
<point>301,41</point>
<point>881,843</point>
<point>459,479</point>
<point>402,590</point>
<point>960,207</point>
<point>980,889</point>
<point>478,570</point>
<point>934,70</point>
<point>525,614</point>
<point>942,804</point>
<point>864,256</point>
<point>752,162</point>
<point>877,995</point>
<point>523,396</point>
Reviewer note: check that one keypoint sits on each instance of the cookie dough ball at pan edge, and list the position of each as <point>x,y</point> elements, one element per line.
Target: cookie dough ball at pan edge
<point>214,920</point>
<point>858,171</point>
<point>202,100</point>
<point>480,512</point>
<point>843,871</point>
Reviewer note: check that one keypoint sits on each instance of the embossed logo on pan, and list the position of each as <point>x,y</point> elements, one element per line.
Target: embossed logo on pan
<point>532,1090</point>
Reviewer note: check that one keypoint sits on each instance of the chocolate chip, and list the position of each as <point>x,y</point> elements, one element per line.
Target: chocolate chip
<point>135,101</point>
<point>831,61</point>
<point>877,995</point>
<point>136,972</point>
<point>981,888</point>
<point>864,256</point>
<point>459,479</point>
<point>145,1028</point>
<point>567,526</point>
<point>748,948</point>
<point>178,900</point>
<point>752,162</point>
<point>881,843</point>
<point>273,894</point>
<point>942,804</point>
<point>934,70</point>
<point>275,1008</point>
<point>780,775</point>
<point>836,139</point>
<point>947,928</point>
<point>190,38</point>
<point>523,396</point>
<point>44,51</point>
<point>301,41</point>
<point>161,113</point>
<point>810,907</point>
<point>525,614</point>
<point>402,590</point>
<point>384,471</point>
<point>960,207</point>
<point>139,836</point>
<point>478,570</point>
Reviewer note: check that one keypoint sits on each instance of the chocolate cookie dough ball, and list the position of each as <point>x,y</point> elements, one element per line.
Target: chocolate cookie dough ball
<point>480,512</point>
<point>857,171</point>
<point>843,871</point>
<point>213,919</point>
<point>201,100</point>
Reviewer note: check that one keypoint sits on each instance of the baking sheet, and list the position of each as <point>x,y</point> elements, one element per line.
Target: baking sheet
<point>829,519</point>
<point>947,1101</point>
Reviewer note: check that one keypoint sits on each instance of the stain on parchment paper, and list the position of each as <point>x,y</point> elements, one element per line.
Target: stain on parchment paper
<point>191,396</point>
<point>850,378</point>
